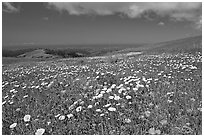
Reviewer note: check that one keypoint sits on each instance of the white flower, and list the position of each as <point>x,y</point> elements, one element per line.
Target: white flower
<point>108,90</point>
<point>13,125</point>
<point>102,114</point>
<point>107,105</point>
<point>121,90</point>
<point>158,131</point>
<point>117,97</point>
<point>70,115</point>
<point>100,96</point>
<point>63,91</point>
<point>27,118</point>
<point>135,89</point>
<point>57,115</point>
<point>18,109</point>
<point>78,108</point>
<point>113,86</point>
<point>111,97</point>
<point>147,113</point>
<point>128,97</point>
<point>200,109</point>
<point>127,120</point>
<point>163,122</point>
<point>169,101</point>
<point>62,117</point>
<point>152,131</point>
<point>98,110</point>
<point>40,131</point>
<point>112,109</point>
<point>25,96</point>
<point>90,106</point>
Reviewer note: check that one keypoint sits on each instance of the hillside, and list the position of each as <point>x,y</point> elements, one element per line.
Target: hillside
<point>190,44</point>
<point>39,53</point>
<point>186,44</point>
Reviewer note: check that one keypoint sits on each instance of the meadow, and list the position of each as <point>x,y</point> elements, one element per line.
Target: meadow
<point>145,94</point>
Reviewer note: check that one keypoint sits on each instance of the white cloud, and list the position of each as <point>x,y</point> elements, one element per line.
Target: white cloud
<point>199,23</point>
<point>45,18</point>
<point>180,11</point>
<point>161,23</point>
<point>9,7</point>
<point>176,11</point>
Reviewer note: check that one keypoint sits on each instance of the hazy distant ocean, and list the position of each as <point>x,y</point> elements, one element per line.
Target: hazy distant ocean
<point>90,46</point>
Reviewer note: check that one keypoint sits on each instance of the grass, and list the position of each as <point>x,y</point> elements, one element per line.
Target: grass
<point>137,95</point>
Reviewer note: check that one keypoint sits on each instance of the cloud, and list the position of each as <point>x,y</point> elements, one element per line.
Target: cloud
<point>161,24</point>
<point>9,7</point>
<point>198,24</point>
<point>98,8</point>
<point>45,18</point>
<point>178,11</point>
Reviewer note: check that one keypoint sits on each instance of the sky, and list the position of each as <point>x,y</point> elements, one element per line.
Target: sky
<point>35,23</point>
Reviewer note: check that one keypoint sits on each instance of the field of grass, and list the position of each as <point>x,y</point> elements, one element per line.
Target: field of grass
<point>133,95</point>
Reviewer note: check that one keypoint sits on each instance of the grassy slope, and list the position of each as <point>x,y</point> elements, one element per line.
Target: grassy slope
<point>146,94</point>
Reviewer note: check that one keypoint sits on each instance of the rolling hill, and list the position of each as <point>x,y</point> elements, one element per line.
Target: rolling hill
<point>190,44</point>
<point>180,45</point>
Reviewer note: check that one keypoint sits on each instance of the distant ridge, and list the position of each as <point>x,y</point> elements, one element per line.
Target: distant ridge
<point>39,53</point>
<point>179,45</point>
<point>183,44</point>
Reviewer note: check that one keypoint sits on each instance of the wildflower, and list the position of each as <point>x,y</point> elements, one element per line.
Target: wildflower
<point>57,115</point>
<point>118,104</point>
<point>111,97</point>
<point>128,97</point>
<point>163,122</point>
<point>200,109</point>
<point>3,102</point>
<point>127,120</point>
<point>18,109</point>
<point>128,88</point>
<point>78,108</point>
<point>147,113</point>
<point>107,105</point>
<point>152,131</point>
<point>141,117</point>
<point>151,104</point>
<point>108,90</point>
<point>11,102</point>
<point>89,106</point>
<point>63,91</point>
<point>98,110</point>
<point>12,90</point>
<point>13,125</point>
<point>27,118</point>
<point>112,109</point>
<point>102,114</point>
<point>70,115</point>
<point>158,131</point>
<point>135,88</point>
<point>25,96</point>
<point>40,131</point>
<point>117,97</point>
<point>169,101</point>
<point>62,117</point>
<point>192,99</point>
<point>113,86</point>
<point>100,96</point>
